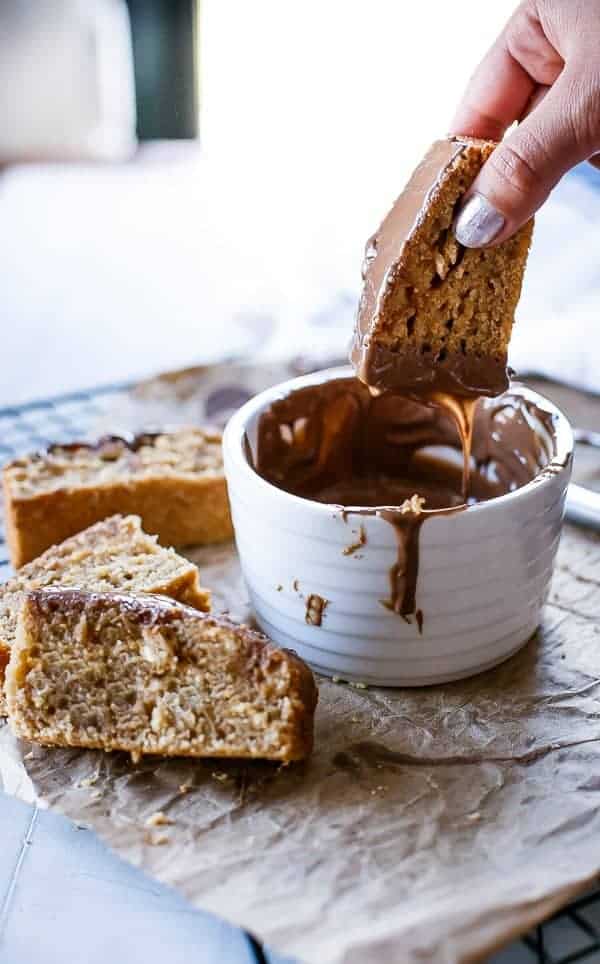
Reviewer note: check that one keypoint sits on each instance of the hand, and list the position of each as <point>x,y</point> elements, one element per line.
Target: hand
<point>543,70</point>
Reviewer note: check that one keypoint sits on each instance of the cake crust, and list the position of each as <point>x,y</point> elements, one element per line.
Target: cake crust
<point>113,554</point>
<point>147,675</point>
<point>435,316</point>
<point>173,480</point>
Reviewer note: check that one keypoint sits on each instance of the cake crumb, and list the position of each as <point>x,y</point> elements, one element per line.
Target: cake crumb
<point>355,546</point>
<point>414,504</point>
<point>88,781</point>
<point>220,776</point>
<point>158,819</point>
<point>358,685</point>
<point>157,839</point>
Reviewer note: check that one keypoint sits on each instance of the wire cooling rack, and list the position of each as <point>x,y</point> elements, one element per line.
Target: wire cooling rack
<point>571,935</point>
<point>34,426</point>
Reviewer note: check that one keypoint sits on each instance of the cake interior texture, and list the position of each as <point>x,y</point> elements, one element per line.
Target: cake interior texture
<point>113,554</point>
<point>427,301</point>
<point>173,480</point>
<point>187,452</point>
<point>150,676</point>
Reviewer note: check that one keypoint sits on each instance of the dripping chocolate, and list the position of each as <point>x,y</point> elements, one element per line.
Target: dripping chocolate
<point>335,443</point>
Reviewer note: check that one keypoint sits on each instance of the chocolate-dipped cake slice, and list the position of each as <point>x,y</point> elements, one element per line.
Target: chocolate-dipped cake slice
<point>435,316</point>
<point>148,675</point>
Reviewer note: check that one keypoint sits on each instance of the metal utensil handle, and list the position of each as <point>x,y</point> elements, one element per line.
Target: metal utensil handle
<point>583,506</point>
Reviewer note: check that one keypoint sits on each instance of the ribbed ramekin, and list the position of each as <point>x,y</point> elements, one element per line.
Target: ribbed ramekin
<point>484,572</point>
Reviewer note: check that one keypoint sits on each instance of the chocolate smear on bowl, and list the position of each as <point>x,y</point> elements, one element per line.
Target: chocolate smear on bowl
<point>358,544</point>
<point>366,455</point>
<point>315,608</point>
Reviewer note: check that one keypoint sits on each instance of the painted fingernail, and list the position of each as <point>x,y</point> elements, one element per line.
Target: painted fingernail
<point>478,223</point>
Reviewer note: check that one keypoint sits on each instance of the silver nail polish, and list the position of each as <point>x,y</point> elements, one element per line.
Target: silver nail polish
<point>478,223</point>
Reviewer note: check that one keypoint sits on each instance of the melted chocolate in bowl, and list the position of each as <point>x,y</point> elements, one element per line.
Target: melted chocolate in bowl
<point>335,443</point>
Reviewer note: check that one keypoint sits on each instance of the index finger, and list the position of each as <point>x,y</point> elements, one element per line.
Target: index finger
<point>497,95</point>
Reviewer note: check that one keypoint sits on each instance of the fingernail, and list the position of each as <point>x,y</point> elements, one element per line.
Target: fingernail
<point>478,223</point>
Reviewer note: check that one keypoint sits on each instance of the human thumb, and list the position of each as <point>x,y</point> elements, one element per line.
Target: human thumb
<point>522,170</point>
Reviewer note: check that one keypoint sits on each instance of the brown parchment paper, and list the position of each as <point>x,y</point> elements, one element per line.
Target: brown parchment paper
<point>429,825</point>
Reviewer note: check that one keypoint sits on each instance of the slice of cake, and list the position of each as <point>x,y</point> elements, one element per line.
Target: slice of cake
<point>144,674</point>
<point>174,481</point>
<point>113,554</point>
<point>435,316</point>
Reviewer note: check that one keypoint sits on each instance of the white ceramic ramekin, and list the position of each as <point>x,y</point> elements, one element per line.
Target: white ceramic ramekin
<point>484,572</point>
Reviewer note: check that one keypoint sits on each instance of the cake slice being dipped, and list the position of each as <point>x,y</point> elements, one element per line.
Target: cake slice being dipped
<point>435,316</point>
<point>147,675</point>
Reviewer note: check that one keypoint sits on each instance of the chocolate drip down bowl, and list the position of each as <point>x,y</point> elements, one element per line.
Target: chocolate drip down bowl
<point>368,548</point>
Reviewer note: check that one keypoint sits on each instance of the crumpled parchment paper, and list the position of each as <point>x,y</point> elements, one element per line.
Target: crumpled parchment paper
<point>429,825</point>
